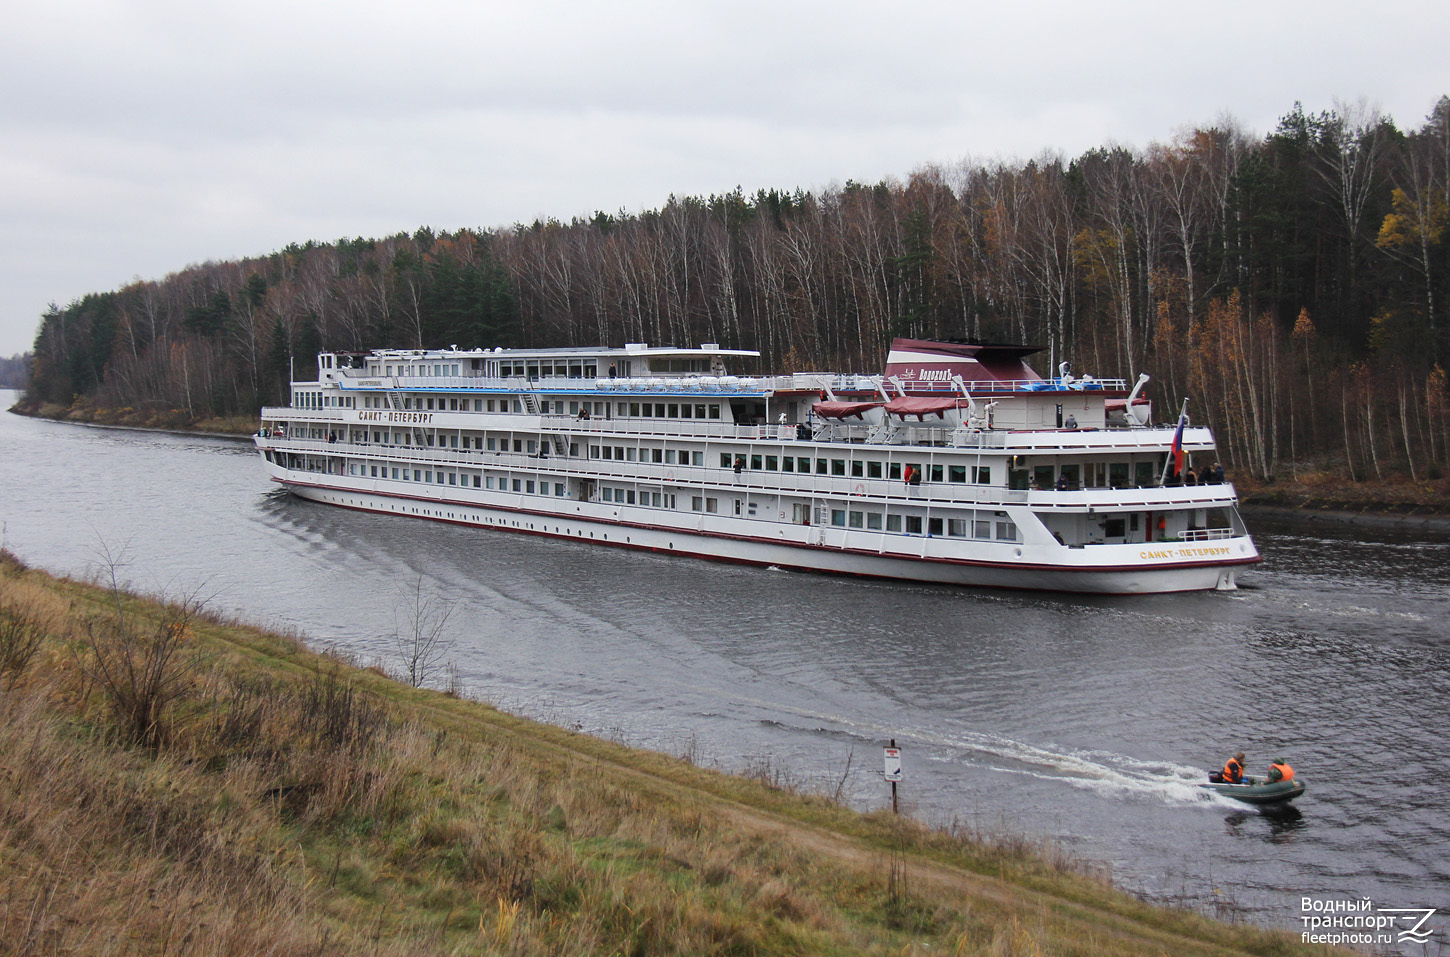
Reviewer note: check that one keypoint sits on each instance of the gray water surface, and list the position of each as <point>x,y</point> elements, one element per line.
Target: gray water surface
<point>1084,721</point>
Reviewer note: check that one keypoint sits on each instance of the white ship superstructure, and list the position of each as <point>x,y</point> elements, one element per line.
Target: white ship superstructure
<point>960,465</point>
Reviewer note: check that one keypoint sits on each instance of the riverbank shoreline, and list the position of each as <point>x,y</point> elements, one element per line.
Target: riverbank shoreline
<point>1341,513</point>
<point>174,421</point>
<point>291,798</point>
<point>1387,504</point>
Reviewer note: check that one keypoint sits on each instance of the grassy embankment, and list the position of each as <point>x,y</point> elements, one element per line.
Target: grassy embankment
<point>174,783</point>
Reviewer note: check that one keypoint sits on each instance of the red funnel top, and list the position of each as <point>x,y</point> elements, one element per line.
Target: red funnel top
<point>923,361</point>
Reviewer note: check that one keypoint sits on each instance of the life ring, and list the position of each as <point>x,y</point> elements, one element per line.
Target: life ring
<point>860,489</point>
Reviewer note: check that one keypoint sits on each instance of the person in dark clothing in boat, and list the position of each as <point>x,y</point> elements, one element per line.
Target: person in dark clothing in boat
<point>1233,770</point>
<point>1280,771</point>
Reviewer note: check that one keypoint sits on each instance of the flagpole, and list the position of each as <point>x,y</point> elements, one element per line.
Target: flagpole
<point>1182,418</point>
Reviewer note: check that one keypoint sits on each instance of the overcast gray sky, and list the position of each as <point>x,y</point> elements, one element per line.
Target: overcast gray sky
<point>141,137</point>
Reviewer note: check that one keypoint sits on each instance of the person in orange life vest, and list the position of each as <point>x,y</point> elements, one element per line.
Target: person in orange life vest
<point>1233,769</point>
<point>1280,771</point>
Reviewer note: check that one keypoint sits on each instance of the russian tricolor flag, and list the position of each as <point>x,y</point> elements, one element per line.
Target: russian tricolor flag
<point>1177,449</point>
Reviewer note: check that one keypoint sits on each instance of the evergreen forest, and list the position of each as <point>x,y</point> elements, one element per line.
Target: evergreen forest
<point>1294,286</point>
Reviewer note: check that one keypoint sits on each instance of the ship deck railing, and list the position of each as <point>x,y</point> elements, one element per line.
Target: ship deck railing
<point>754,481</point>
<point>1207,534</point>
<point>1020,441</point>
<point>356,380</point>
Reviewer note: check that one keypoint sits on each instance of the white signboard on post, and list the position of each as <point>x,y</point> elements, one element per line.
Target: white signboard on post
<point>893,764</point>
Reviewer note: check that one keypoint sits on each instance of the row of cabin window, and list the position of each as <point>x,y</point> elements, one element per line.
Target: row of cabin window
<point>629,496</point>
<point>303,463</point>
<point>431,477</point>
<point>476,442</point>
<point>1078,475</point>
<point>656,410</point>
<point>669,410</point>
<point>856,468</point>
<point>422,368</point>
<point>317,400</point>
<point>455,404</point>
<point>542,370</point>
<point>982,529</point>
<point>590,370</point>
<point>444,441</point>
<point>628,453</point>
<point>449,404</point>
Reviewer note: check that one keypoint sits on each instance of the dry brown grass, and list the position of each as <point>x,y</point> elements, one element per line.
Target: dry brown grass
<point>298,805</point>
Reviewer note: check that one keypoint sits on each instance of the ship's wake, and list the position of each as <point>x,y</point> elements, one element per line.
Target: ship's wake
<point>1111,774</point>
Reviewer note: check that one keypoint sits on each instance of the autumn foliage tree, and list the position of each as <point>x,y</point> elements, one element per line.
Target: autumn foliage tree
<point>1200,260</point>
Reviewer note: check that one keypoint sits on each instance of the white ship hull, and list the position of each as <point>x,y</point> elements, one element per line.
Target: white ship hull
<point>1109,570</point>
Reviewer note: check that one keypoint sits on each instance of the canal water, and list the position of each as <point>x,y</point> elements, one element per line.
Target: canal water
<point>1083,722</point>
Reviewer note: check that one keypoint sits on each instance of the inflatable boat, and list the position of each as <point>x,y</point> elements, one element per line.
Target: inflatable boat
<point>1257,790</point>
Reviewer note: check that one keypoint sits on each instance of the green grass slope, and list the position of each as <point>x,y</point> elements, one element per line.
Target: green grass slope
<point>172,783</point>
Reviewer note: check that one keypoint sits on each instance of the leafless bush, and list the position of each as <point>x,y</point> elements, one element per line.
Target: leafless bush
<point>21,633</point>
<point>244,716</point>
<point>419,624</point>
<point>140,667</point>
<point>839,794</point>
<point>763,768</point>
<point>340,717</point>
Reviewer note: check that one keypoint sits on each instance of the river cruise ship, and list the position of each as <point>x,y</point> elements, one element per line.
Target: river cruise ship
<point>958,465</point>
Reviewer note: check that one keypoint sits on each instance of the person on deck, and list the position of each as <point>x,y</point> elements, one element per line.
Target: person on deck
<point>1233,769</point>
<point>1280,771</point>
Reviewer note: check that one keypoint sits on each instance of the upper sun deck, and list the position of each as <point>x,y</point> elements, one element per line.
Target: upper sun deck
<point>634,359</point>
<point>965,386</point>
<point>358,380</point>
<point>639,369</point>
